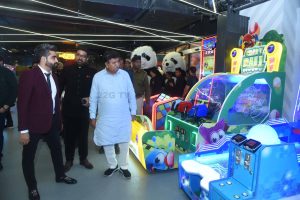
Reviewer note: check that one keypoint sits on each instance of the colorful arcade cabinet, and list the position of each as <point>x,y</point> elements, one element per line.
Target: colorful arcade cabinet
<point>259,170</point>
<point>241,100</point>
<point>155,149</point>
<point>160,105</point>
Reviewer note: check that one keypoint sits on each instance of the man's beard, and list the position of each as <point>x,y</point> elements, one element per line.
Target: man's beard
<point>50,65</point>
<point>81,63</point>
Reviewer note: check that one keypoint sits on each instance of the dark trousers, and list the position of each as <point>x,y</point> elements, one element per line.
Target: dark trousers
<point>2,124</point>
<point>52,139</point>
<point>76,134</point>
<point>9,121</point>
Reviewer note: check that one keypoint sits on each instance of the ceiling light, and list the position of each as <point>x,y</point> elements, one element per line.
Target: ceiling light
<point>63,40</point>
<point>97,35</point>
<point>197,6</point>
<point>52,36</point>
<point>82,18</point>
<point>103,20</point>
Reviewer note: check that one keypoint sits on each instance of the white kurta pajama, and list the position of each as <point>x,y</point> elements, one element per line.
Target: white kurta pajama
<point>113,98</point>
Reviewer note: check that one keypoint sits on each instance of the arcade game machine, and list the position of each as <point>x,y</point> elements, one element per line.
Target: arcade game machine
<point>242,101</point>
<point>239,100</point>
<point>160,105</point>
<point>155,149</point>
<point>151,145</point>
<point>261,166</point>
<point>208,56</point>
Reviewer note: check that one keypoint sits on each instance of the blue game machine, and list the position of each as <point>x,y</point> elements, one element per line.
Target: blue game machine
<point>258,170</point>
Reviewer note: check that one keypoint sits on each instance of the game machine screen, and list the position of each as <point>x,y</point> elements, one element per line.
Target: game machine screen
<point>252,106</point>
<point>210,92</point>
<point>208,56</point>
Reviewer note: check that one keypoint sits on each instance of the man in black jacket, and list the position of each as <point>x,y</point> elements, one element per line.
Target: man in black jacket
<point>8,94</point>
<point>76,81</point>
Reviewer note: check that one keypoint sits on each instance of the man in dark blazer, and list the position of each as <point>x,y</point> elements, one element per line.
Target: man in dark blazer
<point>39,117</point>
<point>76,81</point>
<point>8,94</point>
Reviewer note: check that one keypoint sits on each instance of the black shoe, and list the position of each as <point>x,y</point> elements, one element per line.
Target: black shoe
<point>67,180</point>
<point>34,195</point>
<point>1,166</point>
<point>110,172</point>
<point>86,164</point>
<point>68,165</point>
<point>125,172</point>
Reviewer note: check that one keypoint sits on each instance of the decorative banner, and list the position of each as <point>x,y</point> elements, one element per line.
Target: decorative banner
<point>208,56</point>
<point>236,55</point>
<point>254,60</point>
<point>273,51</point>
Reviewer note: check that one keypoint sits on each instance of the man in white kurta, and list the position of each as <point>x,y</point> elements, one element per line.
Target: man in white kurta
<point>113,99</point>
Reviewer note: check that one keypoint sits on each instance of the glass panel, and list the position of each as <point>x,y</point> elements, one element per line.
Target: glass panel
<point>297,108</point>
<point>213,92</point>
<point>253,104</point>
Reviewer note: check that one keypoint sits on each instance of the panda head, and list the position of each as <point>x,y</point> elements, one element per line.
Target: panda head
<point>148,56</point>
<point>172,61</point>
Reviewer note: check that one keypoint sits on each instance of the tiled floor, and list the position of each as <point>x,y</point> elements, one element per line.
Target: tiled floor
<point>91,183</point>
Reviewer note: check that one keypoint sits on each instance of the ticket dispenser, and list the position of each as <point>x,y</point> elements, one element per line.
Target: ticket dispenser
<point>258,171</point>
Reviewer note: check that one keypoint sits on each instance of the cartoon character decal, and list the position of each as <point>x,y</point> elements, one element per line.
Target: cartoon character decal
<point>249,39</point>
<point>213,134</point>
<point>160,159</point>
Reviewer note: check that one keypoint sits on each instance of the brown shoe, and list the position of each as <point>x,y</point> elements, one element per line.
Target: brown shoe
<point>68,165</point>
<point>86,164</point>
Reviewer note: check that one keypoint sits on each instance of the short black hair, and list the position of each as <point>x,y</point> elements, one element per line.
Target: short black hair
<point>82,48</point>
<point>43,50</point>
<point>110,55</point>
<point>135,58</point>
<point>178,69</point>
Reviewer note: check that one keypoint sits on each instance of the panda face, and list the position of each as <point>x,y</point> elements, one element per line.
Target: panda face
<point>148,56</point>
<point>172,61</point>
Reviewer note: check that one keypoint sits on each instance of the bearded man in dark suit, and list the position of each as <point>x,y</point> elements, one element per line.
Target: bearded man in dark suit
<point>39,117</point>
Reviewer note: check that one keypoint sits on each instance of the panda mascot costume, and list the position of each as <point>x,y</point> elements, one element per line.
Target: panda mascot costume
<point>174,68</point>
<point>149,64</point>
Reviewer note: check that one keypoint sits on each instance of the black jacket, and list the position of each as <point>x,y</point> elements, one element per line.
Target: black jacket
<point>76,82</point>
<point>8,87</point>
<point>179,86</point>
<point>156,85</point>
